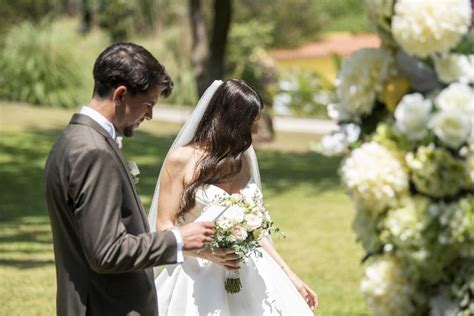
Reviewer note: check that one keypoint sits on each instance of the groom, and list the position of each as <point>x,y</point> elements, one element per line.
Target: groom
<point>103,248</point>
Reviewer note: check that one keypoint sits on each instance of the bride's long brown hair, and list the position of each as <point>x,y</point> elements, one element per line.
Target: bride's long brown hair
<point>224,133</point>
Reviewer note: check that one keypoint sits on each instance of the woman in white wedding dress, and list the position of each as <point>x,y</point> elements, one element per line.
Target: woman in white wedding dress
<point>213,156</point>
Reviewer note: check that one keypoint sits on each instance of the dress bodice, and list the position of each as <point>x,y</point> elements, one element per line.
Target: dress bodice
<point>207,193</point>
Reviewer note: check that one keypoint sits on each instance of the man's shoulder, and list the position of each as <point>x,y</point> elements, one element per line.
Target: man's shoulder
<point>78,135</point>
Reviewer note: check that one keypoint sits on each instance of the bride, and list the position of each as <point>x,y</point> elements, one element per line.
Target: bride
<point>213,156</point>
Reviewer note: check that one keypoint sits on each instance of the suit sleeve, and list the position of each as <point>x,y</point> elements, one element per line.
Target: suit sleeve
<point>95,190</point>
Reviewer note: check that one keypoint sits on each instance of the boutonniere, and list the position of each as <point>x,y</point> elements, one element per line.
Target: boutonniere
<point>118,141</point>
<point>134,171</point>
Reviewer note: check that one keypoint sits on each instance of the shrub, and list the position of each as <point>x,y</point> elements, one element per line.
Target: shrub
<point>36,68</point>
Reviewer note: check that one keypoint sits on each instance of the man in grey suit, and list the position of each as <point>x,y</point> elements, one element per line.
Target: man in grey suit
<point>103,248</point>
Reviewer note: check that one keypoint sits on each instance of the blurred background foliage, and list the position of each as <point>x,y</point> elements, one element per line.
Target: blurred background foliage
<point>48,47</point>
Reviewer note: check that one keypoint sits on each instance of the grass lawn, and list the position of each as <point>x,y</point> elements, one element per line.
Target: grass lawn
<point>301,187</point>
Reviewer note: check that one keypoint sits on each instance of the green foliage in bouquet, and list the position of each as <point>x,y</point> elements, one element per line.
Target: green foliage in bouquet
<point>409,164</point>
<point>37,67</point>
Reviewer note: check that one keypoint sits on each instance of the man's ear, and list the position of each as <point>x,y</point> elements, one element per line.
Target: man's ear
<point>118,94</point>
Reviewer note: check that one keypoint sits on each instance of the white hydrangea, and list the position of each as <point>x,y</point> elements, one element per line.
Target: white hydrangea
<point>435,172</point>
<point>456,220</point>
<point>375,177</point>
<point>412,115</point>
<point>361,77</point>
<point>452,128</point>
<point>425,27</point>
<point>457,97</point>
<point>455,67</point>
<point>404,226</point>
<point>387,289</point>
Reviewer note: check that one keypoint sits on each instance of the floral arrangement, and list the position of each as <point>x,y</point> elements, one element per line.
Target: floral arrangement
<point>406,117</point>
<point>245,221</point>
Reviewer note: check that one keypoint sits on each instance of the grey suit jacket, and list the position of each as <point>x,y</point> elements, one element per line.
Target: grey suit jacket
<point>103,248</point>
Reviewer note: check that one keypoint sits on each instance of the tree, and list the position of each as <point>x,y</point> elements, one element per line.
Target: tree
<point>208,57</point>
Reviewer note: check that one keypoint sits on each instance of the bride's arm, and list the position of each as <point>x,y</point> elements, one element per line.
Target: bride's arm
<point>309,295</point>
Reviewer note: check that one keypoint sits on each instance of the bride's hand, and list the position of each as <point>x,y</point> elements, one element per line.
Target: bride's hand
<point>225,257</point>
<point>309,295</point>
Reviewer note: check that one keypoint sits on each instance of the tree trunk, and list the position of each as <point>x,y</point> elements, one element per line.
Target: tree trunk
<point>200,50</point>
<point>220,31</point>
<point>70,7</point>
<point>86,16</point>
<point>208,59</point>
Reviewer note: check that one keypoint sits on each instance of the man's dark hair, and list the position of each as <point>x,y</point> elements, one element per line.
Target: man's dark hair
<point>132,66</point>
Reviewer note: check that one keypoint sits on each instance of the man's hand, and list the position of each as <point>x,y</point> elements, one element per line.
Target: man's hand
<point>196,235</point>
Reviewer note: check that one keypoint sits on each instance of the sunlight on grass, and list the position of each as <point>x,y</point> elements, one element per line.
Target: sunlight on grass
<point>301,188</point>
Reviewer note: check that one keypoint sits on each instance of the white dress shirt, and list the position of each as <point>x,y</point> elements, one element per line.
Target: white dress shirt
<point>109,127</point>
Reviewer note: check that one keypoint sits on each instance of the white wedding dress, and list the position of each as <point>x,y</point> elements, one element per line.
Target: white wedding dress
<point>196,287</point>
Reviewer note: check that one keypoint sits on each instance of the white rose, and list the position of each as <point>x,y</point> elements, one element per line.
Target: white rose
<point>457,97</point>
<point>412,114</point>
<point>239,233</point>
<point>452,128</point>
<point>455,67</point>
<point>253,221</point>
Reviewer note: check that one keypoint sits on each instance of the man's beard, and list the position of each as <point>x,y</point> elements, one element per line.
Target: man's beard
<point>128,131</point>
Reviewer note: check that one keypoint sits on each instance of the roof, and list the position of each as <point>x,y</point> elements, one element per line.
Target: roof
<point>342,45</point>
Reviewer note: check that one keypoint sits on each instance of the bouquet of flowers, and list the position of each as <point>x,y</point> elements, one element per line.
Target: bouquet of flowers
<point>406,117</point>
<point>245,221</point>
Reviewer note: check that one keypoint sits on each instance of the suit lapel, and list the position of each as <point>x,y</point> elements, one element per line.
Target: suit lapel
<point>85,120</point>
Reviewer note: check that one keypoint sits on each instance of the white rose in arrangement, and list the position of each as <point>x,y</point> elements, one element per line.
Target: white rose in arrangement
<point>239,233</point>
<point>457,97</point>
<point>452,128</point>
<point>412,115</point>
<point>361,77</point>
<point>253,221</point>
<point>425,27</point>
<point>387,289</point>
<point>375,177</point>
<point>455,67</point>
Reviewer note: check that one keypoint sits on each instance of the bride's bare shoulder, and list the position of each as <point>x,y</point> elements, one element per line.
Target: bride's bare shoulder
<point>180,155</point>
